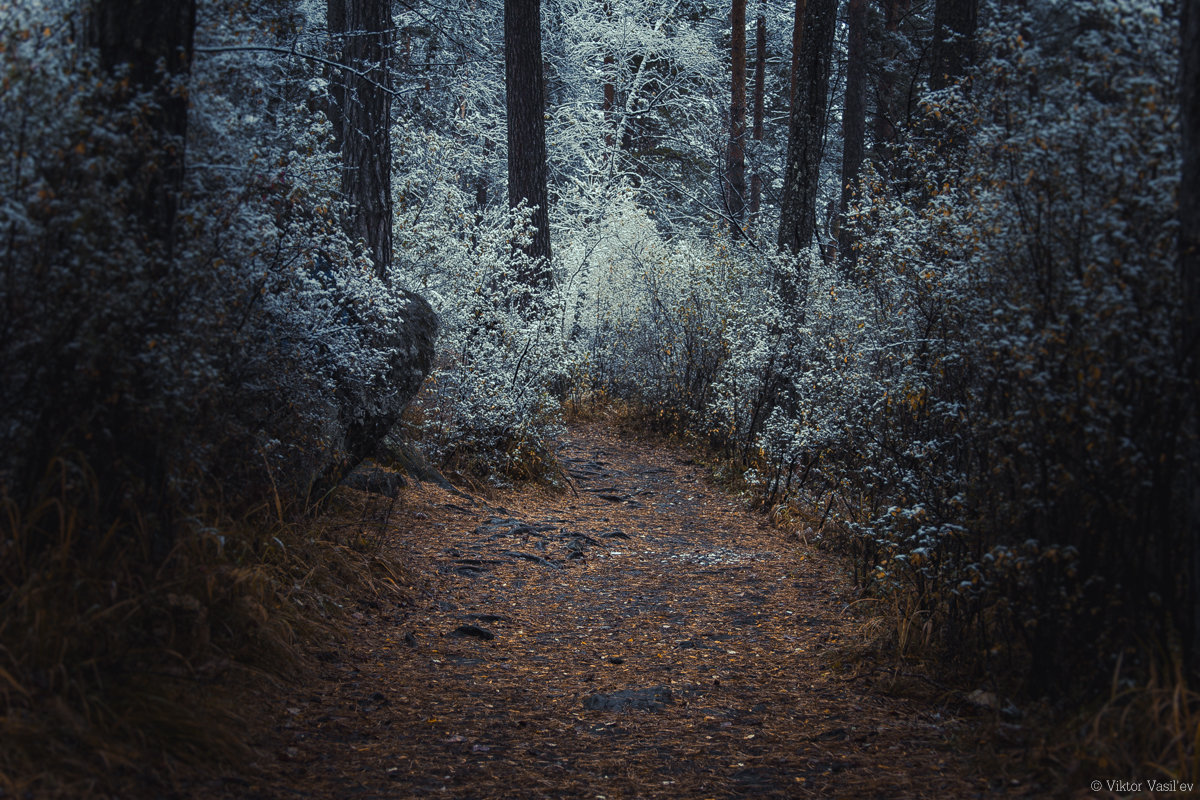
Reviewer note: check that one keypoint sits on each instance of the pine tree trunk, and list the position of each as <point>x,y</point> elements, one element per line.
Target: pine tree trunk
<point>610,99</point>
<point>365,116</point>
<point>335,24</point>
<point>887,109</point>
<point>360,110</point>
<point>854,117</point>
<point>735,171</point>
<point>609,103</point>
<point>525,94</point>
<point>154,42</point>
<point>806,131</point>
<point>954,24</point>
<point>797,43</point>
<point>760,78</point>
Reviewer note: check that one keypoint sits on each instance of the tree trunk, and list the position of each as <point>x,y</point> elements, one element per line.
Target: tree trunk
<point>609,103</point>
<point>760,79</point>
<point>335,23</point>
<point>154,40</point>
<point>1189,270</point>
<point>954,24</point>
<point>735,170</point>
<point>887,108</point>
<point>806,132</point>
<point>360,110</point>
<point>365,116</point>
<point>525,95</point>
<point>797,43</point>
<point>610,98</point>
<point>854,118</point>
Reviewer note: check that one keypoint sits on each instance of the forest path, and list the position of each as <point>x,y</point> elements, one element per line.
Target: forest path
<point>640,637</point>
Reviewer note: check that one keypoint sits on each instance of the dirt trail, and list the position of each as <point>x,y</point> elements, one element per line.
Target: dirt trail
<point>640,637</point>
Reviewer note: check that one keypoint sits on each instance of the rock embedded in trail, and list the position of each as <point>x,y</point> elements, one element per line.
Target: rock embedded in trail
<point>615,533</point>
<point>654,698</point>
<point>475,631</point>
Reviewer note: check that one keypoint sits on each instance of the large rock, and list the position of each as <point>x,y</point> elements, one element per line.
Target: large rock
<point>369,413</point>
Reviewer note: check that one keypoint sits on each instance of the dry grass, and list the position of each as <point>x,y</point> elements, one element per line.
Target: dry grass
<point>1148,730</point>
<point>1151,729</point>
<point>122,669</point>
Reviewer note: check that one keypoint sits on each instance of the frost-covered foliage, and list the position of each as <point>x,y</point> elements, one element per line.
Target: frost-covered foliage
<point>647,317</point>
<point>490,406</point>
<point>617,175</point>
<point>186,339</point>
<point>249,343</point>
<point>987,414</point>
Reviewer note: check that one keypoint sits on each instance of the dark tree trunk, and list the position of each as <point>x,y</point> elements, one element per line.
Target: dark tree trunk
<point>525,95</point>
<point>735,170</point>
<point>854,119</point>
<point>360,110</point>
<point>887,107</point>
<point>610,89</point>
<point>610,98</point>
<point>954,24</point>
<point>335,21</point>
<point>806,132</point>
<point>365,116</point>
<point>154,40</point>
<point>760,79</point>
<point>1189,268</point>
<point>797,43</point>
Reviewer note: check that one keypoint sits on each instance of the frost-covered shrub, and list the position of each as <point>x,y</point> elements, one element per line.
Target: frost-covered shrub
<point>985,411</point>
<point>649,318</point>
<point>491,404</point>
<point>996,430</point>
<point>246,348</point>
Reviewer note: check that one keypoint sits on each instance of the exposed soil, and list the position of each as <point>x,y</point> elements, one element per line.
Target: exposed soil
<point>639,636</point>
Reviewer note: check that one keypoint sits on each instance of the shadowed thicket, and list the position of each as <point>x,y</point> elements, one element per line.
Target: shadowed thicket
<point>176,384</point>
<point>986,413</point>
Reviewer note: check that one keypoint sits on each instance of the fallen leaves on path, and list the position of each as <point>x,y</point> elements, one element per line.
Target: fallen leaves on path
<point>640,636</point>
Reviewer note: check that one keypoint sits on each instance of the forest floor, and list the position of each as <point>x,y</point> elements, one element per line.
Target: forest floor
<point>639,635</point>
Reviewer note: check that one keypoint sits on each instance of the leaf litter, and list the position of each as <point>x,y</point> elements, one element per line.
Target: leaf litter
<point>571,645</point>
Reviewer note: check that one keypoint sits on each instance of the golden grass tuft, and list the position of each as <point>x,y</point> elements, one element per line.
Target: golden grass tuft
<point>120,668</point>
<point>1149,730</point>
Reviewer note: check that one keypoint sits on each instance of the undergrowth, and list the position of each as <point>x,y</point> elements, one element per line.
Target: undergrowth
<point>122,669</point>
<point>1147,724</point>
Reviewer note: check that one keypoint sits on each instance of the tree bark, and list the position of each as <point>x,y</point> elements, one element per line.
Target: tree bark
<point>609,103</point>
<point>360,110</point>
<point>153,40</point>
<point>365,116</point>
<point>1189,271</point>
<point>886,107</point>
<point>335,23</point>
<point>854,118</point>
<point>610,98</point>
<point>525,95</point>
<point>760,79</point>
<point>797,43</point>
<point>735,170</point>
<point>954,23</point>
<point>806,131</point>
